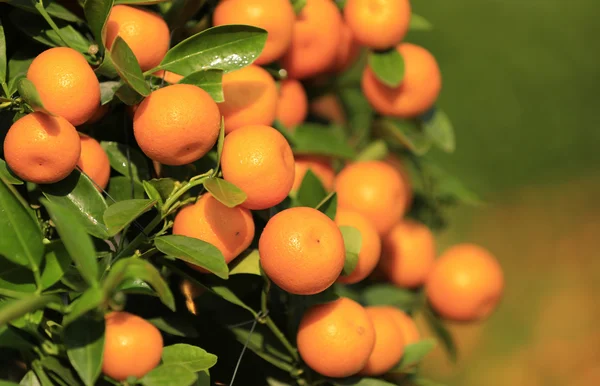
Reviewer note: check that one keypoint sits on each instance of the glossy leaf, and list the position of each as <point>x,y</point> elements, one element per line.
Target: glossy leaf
<point>107,91</point>
<point>311,191</point>
<point>388,66</point>
<point>377,150</point>
<point>21,240</point>
<point>311,138</point>
<point>76,240</point>
<point>107,67</point>
<point>389,295</point>
<point>96,13</point>
<point>328,205</point>
<point>28,92</point>
<point>169,375</point>
<point>14,309</point>
<point>192,357</point>
<point>78,195</point>
<point>439,128</point>
<point>84,340</point>
<point>194,251</point>
<point>413,354</point>
<point>159,189</point>
<point>30,379</point>
<point>17,68</point>
<point>118,156</point>
<point>404,133</point>
<point>3,59</point>
<point>227,48</point>
<point>119,215</point>
<point>128,67</point>
<point>92,298</point>
<point>121,188</point>
<point>419,23</point>
<point>352,244</point>
<point>57,262</point>
<point>209,81</point>
<point>248,263</point>
<point>54,9</point>
<point>7,175</point>
<point>225,192</point>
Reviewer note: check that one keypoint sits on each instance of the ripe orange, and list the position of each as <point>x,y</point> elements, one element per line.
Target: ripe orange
<point>168,76</point>
<point>145,32</point>
<point>389,342</point>
<point>177,124</point>
<point>408,254</point>
<point>374,189</point>
<point>292,105</point>
<point>66,84</point>
<point>418,91</point>
<point>132,346</point>
<point>275,16</point>
<point>42,149</point>
<point>378,24</point>
<point>258,160</point>
<point>315,39</point>
<point>348,50</point>
<point>466,283</point>
<point>98,114</point>
<point>250,98</point>
<point>231,230</point>
<point>320,166</point>
<point>302,250</point>
<point>336,338</point>
<point>370,249</point>
<point>94,162</point>
<point>408,327</point>
<point>399,166</point>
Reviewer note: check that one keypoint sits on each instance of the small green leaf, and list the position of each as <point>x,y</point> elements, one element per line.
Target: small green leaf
<point>120,214</point>
<point>57,262</point>
<point>96,14</point>
<point>161,189</point>
<point>52,8</point>
<point>220,142</point>
<point>328,205</point>
<point>194,251</point>
<point>92,298</point>
<point>30,379</point>
<point>76,240</point>
<point>84,340</point>
<point>17,68</point>
<point>28,92</point>
<point>405,133</point>
<point>249,264</point>
<point>14,309</point>
<point>21,240</point>
<point>359,113</point>
<point>352,243</point>
<point>312,138</point>
<point>175,325</point>
<point>121,188</point>
<point>118,155</point>
<point>377,150</point>
<point>209,81</point>
<point>262,344</point>
<point>128,95</point>
<point>413,354</point>
<point>439,128</point>
<point>388,66</point>
<point>225,192</point>
<point>7,175</point>
<point>389,295</point>
<point>441,332</point>
<point>108,90</point>
<point>419,23</point>
<point>227,47</point>
<point>61,373</point>
<point>128,67</point>
<point>192,357</point>
<point>16,278</point>
<point>3,60</point>
<point>169,375</point>
<point>311,191</point>
<point>298,5</point>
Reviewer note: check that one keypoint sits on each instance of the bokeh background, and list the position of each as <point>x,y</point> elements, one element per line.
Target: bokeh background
<point>521,81</point>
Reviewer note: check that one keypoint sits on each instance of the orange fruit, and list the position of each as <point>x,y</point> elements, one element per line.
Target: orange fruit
<point>177,124</point>
<point>319,165</point>
<point>347,52</point>
<point>145,32</point>
<point>336,338</point>
<point>302,250</point>
<point>315,40</point>
<point>275,16</point>
<point>258,160</point>
<point>132,346</point>
<point>400,168</point>
<point>66,84</point>
<point>292,105</point>
<point>42,149</point>
<point>389,342</point>
<point>370,249</point>
<point>98,114</point>
<point>328,107</point>
<point>168,76</point>
<point>418,91</point>
<point>408,327</point>
<point>250,98</point>
<point>231,230</point>
<point>408,254</point>
<point>375,190</point>
<point>378,24</point>
<point>466,283</point>
<point>94,162</point>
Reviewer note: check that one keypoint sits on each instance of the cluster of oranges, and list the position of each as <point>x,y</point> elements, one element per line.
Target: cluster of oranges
<point>301,249</point>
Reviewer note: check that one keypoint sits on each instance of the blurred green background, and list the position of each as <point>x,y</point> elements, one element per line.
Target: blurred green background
<point>521,85</point>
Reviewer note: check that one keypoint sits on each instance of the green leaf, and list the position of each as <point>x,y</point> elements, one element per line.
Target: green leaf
<point>439,128</point>
<point>413,354</point>
<point>227,47</point>
<point>420,381</point>
<point>312,138</point>
<point>192,357</point>
<point>14,309</point>
<point>121,188</point>
<point>175,325</point>
<point>194,251</point>
<point>298,5</point>
<point>388,66</point>
<point>107,67</point>
<point>128,67</point>
<point>96,14</point>
<point>441,332</point>
<point>7,175</point>
<point>3,59</point>
<point>135,286</point>
<point>377,150</point>
<point>118,156</point>
<point>140,2</point>
<point>76,240</point>
<point>248,263</point>
<point>53,8</point>
<point>328,205</point>
<point>84,340</point>
<point>352,244</point>
<point>169,375</point>
<point>9,338</point>
<point>354,381</point>
<point>419,23</point>
<point>389,295</point>
<point>128,95</point>
<point>136,268</point>
<point>358,111</point>
<point>61,373</point>
<point>404,133</point>
<point>28,92</point>
<point>78,196</point>
<point>17,68</point>
<point>92,298</point>
<point>21,240</point>
<point>311,191</point>
<point>209,81</point>
<point>30,379</point>
<point>107,90</point>
<point>15,277</point>
<point>262,343</point>
<point>120,214</point>
<point>57,262</point>
<point>225,192</point>
<point>220,143</point>
<point>159,189</point>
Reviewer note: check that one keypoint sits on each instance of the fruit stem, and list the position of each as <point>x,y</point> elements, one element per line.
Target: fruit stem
<point>198,180</point>
<point>277,332</point>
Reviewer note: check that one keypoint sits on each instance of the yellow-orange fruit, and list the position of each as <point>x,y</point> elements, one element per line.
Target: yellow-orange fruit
<point>94,162</point>
<point>320,166</point>
<point>407,325</point>
<point>292,105</point>
<point>389,342</point>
